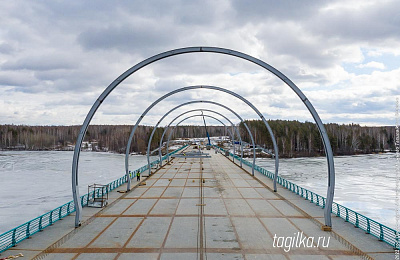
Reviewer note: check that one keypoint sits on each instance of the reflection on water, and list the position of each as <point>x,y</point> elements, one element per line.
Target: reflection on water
<point>364,183</point>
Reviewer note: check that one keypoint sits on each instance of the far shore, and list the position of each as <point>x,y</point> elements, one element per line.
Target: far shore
<point>246,155</point>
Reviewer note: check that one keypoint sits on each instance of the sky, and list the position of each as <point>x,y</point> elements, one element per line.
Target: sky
<point>57,57</point>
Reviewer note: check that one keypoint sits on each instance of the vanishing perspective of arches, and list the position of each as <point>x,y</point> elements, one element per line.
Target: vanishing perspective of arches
<point>276,151</point>
<point>190,111</point>
<point>144,63</point>
<point>186,118</point>
<point>204,102</point>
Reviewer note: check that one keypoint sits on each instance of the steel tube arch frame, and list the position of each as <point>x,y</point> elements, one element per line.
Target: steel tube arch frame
<point>75,184</point>
<point>202,87</point>
<point>173,129</point>
<point>208,110</point>
<point>187,50</point>
<point>227,108</point>
<point>189,111</point>
<point>162,137</point>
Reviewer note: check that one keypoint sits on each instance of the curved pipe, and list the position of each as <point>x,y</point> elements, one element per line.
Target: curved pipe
<point>193,110</point>
<point>232,136</point>
<point>160,56</point>
<point>201,87</point>
<point>173,129</point>
<point>229,109</point>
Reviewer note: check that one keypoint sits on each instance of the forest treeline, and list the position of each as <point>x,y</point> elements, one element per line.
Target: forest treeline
<point>294,138</point>
<point>106,137</point>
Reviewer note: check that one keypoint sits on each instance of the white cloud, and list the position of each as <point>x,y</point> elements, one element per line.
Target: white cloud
<point>373,65</point>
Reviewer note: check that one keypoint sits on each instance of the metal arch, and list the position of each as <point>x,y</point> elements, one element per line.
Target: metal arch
<point>75,184</point>
<point>166,129</point>
<point>144,63</point>
<point>214,103</point>
<point>205,87</point>
<point>229,109</point>
<point>189,111</point>
<point>208,110</point>
<point>173,129</point>
<point>237,131</point>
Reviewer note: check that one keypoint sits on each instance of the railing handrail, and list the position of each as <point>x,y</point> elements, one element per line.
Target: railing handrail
<point>12,237</point>
<point>370,226</point>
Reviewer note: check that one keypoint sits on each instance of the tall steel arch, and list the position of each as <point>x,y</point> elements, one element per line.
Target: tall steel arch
<point>186,118</point>
<point>201,87</point>
<point>144,63</point>
<point>206,110</point>
<point>189,111</point>
<point>186,112</point>
<point>223,106</point>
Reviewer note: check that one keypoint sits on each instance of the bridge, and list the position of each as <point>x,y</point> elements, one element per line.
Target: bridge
<point>203,208</point>
<point>209,204</point>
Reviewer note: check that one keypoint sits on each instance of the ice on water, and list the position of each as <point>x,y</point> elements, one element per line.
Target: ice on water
<point>33,183</point>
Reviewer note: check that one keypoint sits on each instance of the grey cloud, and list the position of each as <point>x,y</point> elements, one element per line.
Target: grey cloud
<point>24,80</point>
<point>188,13</point>
<point>202,64</point>
<point>279,105</point>
<point>168,85</point>
<point>352,106</point>
<point>289,40</point>
<point>262,10</point>
<point>395,92</point>
<point>370,22</point>
<point>53,75</point>
<point>361,120</point>
<point>296,74</point>
<point>70,101</point>
<point>6,48</point>
<point>127,38</point>
<point>103,37</point>
<point>40,63</point>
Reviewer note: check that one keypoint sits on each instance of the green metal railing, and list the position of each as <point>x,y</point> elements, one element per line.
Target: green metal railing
<point>370,226</point>
<point>26,230</point>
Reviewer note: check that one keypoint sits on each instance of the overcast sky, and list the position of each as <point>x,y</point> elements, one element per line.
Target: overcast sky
<point>57,57</point>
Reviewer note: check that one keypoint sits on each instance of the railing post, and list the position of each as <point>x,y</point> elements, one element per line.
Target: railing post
<point>357,224</point>
<point>51,218</point>
<point>13,240</point>
<point>381,232</point>
<point>338,210</point>
<point>28,233</point>
<point>347,215</point>
<point>40,223</point>
<point>368,226</point>
<point>60,213</point>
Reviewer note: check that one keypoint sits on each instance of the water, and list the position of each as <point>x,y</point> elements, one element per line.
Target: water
<point>364,183</point>
<point>33,183</point>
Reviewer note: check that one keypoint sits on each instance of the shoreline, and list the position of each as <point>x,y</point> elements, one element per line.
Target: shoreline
<point>258,155</point>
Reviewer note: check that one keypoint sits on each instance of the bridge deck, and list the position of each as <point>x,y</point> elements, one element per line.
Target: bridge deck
<point>176,215</point>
